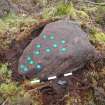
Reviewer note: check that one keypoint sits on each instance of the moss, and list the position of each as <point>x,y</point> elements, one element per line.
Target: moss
<point>12,92</point>
<point>97,36</point>
<point>82,16</point>
<point>8,89</point>
<point>100,37</point>
<point>5,73</point>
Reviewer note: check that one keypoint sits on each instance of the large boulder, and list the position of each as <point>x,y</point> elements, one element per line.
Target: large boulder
<point>61,47</point>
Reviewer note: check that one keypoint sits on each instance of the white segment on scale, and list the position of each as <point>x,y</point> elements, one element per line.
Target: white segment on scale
<point>67,74</point>
<point>35,81</point>
<point>53,77</point>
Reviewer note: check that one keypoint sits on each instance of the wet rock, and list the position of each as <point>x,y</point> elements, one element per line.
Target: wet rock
<point>62,82</point>
<point>61,47</point>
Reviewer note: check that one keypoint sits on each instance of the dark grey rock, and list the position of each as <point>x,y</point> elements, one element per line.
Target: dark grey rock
<point>61,47</point>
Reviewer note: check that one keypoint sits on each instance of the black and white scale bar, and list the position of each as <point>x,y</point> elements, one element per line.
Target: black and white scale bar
<point>49,78</point>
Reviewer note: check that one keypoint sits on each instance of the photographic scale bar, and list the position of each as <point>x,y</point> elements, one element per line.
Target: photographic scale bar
<point>49,78</point>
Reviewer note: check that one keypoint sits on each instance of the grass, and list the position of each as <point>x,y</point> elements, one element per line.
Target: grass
<point>12,92</point>
<point>69,10</point>
<point>59,10</point>
<point>13,22</point>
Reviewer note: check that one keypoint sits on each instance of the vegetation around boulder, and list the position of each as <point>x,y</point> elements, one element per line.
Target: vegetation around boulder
<point>19,18</point>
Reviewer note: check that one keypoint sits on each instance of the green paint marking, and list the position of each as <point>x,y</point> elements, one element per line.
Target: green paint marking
<point>25,69</point>
<point>63,49</point>
<point>38,46</point>
<point>52,37</point>
<point>44,36</point>
<point>55,45</point>
<point>63,41</point>
<point>22,66</point>
<point>48,50</point>
<point>36,53</point>
<point>31,62</point>
<point>38,66</point>
<point>29,58</point>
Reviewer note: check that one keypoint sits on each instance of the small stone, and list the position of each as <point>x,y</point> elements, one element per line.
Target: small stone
<point>62,82</point>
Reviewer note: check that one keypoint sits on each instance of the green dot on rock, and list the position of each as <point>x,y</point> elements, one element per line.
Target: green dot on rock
<point>22,66</point>
<point>38,66</point>
<point>52,37</point>
<point>63,41</point>
<point>63,49</point>
<point>44,36</point>
<point>25,69</point>
<point>38,45</point>
<point>29,58</point>
<point>31,62</point>
<point>37,53</point>
<point>48,50</point>
<point>55,45</point>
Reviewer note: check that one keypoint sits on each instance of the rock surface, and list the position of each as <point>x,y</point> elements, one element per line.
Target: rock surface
<point>61,47</point>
